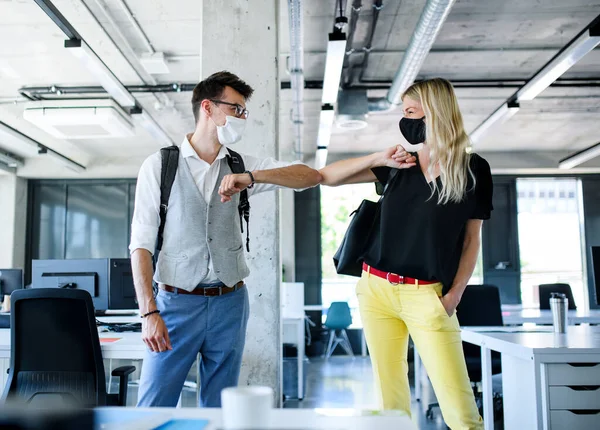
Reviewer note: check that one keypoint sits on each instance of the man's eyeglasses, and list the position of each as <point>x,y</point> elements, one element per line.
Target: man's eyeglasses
<point>240,111</point>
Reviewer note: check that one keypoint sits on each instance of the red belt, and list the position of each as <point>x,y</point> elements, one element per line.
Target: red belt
<point>394,279</point>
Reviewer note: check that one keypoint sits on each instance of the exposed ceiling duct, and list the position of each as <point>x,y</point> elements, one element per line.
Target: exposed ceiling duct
<point>430,23</point>
<point>352,110</point>
<point>296,70</point>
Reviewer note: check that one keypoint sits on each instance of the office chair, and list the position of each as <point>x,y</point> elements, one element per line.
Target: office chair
<point>480,306</point>
<point>545,291</point>
<point>55,352</point>
<point>338,319</point>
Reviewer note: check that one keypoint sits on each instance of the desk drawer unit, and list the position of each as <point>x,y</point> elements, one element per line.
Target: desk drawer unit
<point>574,420</point>
<point>573,373</point>
<point>575,397</point>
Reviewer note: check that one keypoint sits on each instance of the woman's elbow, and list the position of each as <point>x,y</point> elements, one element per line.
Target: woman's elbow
<point>327,179</point>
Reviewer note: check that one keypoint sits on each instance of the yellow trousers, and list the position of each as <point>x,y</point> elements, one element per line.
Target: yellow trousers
<point>389,314</point>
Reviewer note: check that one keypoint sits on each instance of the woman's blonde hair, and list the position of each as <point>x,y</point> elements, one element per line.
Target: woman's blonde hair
<point>445,137</point>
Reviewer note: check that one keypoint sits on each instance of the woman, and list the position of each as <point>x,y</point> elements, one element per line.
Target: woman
<point>422,250</point>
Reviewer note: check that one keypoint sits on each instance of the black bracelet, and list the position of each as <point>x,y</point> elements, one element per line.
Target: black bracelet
<point>147,314</point>
<point>251,178</point>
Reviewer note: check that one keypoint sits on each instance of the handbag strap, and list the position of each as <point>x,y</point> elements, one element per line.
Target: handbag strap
<point>391,177</point>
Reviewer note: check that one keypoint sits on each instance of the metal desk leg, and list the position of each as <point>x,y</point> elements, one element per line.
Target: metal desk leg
<point>488,395</point>
<point>417,365</point>
<point>363,343</point>
<point>300,334</point>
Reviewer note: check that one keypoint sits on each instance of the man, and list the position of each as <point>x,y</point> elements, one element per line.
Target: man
<point>202,301</point>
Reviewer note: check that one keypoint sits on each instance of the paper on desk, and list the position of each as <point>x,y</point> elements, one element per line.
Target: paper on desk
<point>183,424</point>
<point>110,339</point>
<point>129,419</point>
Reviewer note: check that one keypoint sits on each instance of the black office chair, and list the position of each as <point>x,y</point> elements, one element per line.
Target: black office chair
<point>55,352</point>
<point>479,306</point>
<point>545,291</point>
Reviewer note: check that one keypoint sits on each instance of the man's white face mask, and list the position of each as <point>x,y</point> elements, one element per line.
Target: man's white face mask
<point>232,131</point>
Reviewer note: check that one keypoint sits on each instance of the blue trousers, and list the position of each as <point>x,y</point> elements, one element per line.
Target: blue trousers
<point>215,327</point>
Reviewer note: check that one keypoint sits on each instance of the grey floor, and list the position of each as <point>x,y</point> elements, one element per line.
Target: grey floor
<point>345,382</point>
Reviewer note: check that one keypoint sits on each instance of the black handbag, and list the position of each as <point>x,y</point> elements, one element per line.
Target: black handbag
<point>347,259</point>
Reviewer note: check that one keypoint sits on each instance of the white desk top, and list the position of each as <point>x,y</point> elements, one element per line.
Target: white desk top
<point>519,316</point>
<point>128,345</point>
<point>527,342</point>
<point>284,419</point>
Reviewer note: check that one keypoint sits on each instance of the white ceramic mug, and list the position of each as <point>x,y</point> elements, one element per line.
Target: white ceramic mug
<point>246,407</point>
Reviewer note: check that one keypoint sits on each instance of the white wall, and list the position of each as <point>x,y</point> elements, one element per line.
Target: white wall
<point>13,218</point>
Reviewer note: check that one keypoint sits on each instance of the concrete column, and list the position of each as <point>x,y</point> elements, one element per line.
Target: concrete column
<point>13,219</point>
<point>241,36</point>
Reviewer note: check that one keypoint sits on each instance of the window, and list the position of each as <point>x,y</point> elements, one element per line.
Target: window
<point>337,203</point>
<point>550,236</point>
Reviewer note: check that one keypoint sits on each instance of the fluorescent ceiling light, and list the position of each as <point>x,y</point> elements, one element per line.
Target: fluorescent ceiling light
<point>325,126</point>
<point>501,114</point>
<point>580,157</point>
<point>10,135</point>
<point>67,162</point>
<point>11,160</point>
<point>101,72</point>
<point>321,158</point>
<point>152,127</point>
<point>336,50</point>
<point>563,61</point>
<point>155,64</point>
<point>80,119</point>
<point>14,139</point>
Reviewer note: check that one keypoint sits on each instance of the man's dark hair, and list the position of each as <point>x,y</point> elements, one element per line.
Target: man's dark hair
<point>213,87</point>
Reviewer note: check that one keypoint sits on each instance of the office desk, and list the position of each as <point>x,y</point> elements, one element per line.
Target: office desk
<point>284,419</point>
<point>514,315</point>
<point>537,316</point>
<point>129,346</point>
<point>549,381</point>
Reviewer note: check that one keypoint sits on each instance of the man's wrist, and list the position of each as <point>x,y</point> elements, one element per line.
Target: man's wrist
<point>252,179</point>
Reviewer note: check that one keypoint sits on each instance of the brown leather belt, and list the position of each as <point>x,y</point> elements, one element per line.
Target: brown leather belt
<point>204,291</point>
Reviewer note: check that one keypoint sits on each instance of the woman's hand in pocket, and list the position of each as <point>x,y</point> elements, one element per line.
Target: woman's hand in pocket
<point>450,301</point>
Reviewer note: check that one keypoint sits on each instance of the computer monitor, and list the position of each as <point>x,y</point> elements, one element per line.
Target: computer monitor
<point>10,280</point>
<point>596,270</point>
<point>90,275</point>
<point>121,292</point>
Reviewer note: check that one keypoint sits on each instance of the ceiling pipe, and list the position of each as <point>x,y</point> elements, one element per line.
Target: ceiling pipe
<point>430,23</point>
<point>296,71</point>
<point>347,70</point>
<point>377,6</point>
<point>38,93</point>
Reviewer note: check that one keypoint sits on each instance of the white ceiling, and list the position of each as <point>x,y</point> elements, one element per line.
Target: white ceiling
<point>481,40</point>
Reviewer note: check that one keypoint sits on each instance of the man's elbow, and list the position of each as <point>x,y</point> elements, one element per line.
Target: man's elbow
<point>316,178</point>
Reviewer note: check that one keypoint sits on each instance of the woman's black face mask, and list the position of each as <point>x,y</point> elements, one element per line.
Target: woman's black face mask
<point>413,130</point>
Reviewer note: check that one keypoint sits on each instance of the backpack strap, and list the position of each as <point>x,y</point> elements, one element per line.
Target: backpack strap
<point>169,161</point>
<point>236,164</point>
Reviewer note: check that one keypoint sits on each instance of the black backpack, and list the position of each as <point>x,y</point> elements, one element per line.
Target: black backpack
<point>170,160</point>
